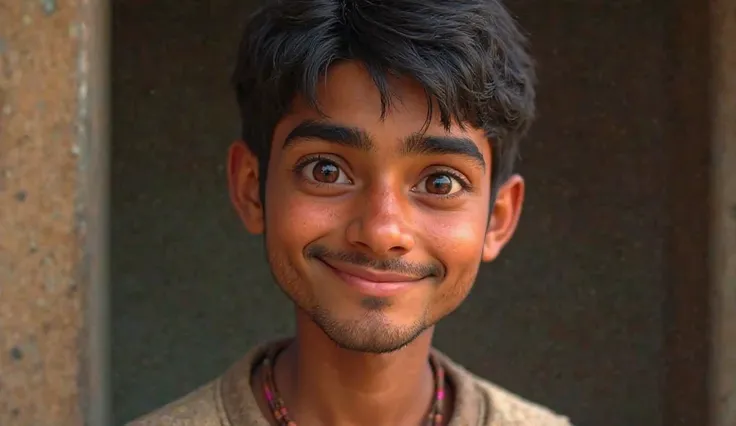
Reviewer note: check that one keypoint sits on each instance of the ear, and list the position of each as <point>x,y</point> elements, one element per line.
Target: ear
<point>244,184</point>
<point>504,217</point>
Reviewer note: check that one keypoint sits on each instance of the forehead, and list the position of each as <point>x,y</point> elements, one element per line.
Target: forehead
<point>348,96</point>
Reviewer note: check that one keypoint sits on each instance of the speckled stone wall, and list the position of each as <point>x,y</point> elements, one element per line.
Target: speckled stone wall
<point>46,199</point>
<point>571,315</point>
<point>724,43</point>
<point>40,297</point>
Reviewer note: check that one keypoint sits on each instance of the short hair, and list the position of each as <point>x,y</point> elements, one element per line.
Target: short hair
<point>469,56</point>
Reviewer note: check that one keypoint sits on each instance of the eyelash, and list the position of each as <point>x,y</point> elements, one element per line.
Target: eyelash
<point>304,162</point>
<point>299,167</point>
<point>462,180</point>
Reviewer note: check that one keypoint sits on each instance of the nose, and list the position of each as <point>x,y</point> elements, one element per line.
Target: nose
<point>381,225</point>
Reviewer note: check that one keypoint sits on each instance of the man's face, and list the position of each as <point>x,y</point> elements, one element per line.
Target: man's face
<point>373,227</point>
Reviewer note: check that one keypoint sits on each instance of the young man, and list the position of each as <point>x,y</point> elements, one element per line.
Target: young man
<point>378,144</point>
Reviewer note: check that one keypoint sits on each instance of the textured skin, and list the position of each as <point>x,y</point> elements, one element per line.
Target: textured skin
<point>228,401</point>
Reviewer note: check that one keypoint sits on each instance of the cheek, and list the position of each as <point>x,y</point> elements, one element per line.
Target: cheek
<point>297,219</point>
<point>457,239</point>
<point>457,242</point>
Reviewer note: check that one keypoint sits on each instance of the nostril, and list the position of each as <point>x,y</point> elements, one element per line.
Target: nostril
<point>398,250</point>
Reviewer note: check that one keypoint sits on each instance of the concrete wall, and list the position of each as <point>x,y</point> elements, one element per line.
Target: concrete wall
<point>688,207</point>
<point>570,316</point>
<point>51,158</point>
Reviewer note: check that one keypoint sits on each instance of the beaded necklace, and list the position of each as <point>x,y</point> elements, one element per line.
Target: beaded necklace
<point>281,414</point>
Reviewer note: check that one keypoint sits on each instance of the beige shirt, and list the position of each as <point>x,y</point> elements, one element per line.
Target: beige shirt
<point>229,401</point>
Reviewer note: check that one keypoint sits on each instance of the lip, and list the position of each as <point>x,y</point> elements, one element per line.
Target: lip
<point>371,282</point>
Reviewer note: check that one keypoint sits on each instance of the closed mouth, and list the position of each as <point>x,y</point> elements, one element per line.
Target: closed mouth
<point>370,275</point>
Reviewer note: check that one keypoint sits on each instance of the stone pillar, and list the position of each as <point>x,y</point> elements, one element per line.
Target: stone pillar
<point>52,221</point>
<point>723,20</point>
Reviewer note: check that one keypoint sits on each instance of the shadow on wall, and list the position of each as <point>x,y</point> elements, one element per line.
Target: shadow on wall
<point>570,314</point>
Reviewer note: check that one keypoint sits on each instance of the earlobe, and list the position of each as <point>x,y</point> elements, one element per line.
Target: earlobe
<point>504,217</point>
<point>244,184</point>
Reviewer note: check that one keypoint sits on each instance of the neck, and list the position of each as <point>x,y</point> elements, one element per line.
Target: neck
<point>324,384</point>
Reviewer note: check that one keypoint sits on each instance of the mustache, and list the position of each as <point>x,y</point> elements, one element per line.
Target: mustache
<point>396,265</point>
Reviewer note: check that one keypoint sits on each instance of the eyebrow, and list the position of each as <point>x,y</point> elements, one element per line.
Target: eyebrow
<point>339,135</point>
<point>438,145</point>
<point>414,144</point>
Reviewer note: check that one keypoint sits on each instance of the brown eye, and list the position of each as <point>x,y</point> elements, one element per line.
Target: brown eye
<point>439,184</point>
<point>325,171</point>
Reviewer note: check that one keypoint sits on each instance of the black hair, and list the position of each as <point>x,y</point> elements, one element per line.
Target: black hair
<point>468,55</point>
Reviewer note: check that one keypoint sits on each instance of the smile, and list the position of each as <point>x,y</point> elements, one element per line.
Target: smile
<point>371,282</point>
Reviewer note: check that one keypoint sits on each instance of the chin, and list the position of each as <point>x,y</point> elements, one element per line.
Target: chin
<point>371,332</point>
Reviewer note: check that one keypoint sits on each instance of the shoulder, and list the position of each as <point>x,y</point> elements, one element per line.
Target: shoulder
<point>508,409</point>
<point>202,407</point>
<point>225,401</point>
<point>480,402</point>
